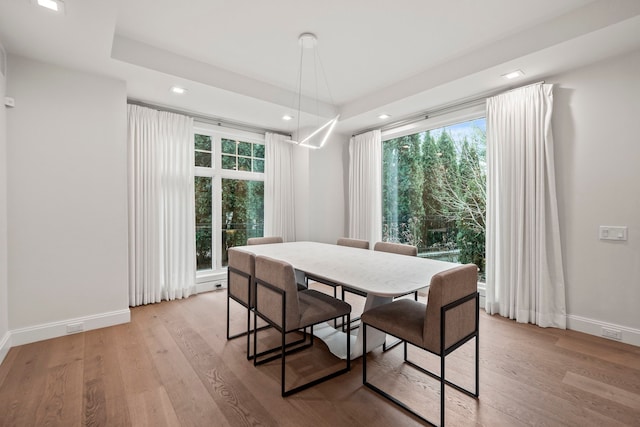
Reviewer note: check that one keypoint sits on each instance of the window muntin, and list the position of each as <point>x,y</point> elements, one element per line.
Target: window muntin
<point>203,150</point>
<point>242,156</point>
<point>434,191</point>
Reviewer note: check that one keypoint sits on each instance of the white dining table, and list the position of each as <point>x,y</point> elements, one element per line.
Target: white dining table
<point>381,275</point>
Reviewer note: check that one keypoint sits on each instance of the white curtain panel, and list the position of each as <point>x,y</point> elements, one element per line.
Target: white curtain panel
<point>365,187</point>
<point>279,202</point>
<point>161,206</point>
<point>525,279</point>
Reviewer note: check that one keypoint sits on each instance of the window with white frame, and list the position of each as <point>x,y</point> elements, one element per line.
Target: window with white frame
<point>229,192</point>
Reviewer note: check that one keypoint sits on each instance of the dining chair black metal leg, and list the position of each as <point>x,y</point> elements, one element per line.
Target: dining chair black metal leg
<point>442,383</point>
<point>249,332</point>
<point>348,342</point>
<point>364,353</point>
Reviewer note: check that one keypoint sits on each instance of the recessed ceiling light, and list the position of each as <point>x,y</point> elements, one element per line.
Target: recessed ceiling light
<point>513,75</point>
<point>287,117</point>
<point>384,116</point>
<point>55,5</point>
<point>179,90</point>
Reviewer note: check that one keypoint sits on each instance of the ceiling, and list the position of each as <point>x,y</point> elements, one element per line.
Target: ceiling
<point>239,59</point>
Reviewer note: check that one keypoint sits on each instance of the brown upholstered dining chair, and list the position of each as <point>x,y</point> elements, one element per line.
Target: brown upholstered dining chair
<point>241,289</point>
<point>264,240</point>
<point>280,304</point>
<point>400,249</point>
<point>354,243</point>
<point>396,248</point>
<point>449,320</point>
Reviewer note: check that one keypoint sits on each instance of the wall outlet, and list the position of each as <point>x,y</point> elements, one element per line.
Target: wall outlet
<point>72,328</point>
<point>609,232</point>
<point>614,334</point>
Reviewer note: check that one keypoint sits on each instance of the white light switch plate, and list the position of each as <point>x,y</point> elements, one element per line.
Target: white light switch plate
<point>608,232</point>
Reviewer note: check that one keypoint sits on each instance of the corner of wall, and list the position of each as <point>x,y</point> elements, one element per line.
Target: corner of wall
<point>5,345</point>
<point>5,336</point>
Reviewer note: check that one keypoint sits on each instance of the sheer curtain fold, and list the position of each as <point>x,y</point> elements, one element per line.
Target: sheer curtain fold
<point>161,206</point>
<point>525,278</point>
<point>279,202</point>
<point>365,187</point>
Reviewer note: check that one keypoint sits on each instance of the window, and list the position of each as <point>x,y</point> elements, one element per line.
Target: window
<point>242,212</point>
<point>434,192</point>
<point>229,193</point>
<point>204,215</point>
<point>203,150</point>
<point>242,156</point>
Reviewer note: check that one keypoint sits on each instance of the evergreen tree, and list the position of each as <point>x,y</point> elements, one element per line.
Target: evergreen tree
<point>402,190</point>
<point>390,152</point>
<point>434,192</point>
<point>471,224</point>
<point>429,198</point>
<point>448,180</point>
<point>203,222</point>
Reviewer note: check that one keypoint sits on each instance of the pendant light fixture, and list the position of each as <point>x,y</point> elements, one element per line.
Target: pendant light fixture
<point>317,138</point>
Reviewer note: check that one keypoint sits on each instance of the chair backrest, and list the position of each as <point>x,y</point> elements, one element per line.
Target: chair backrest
<point>263,240</point>
<point>241,286</point>
<point>354,243</point>
<point>396,248</point>
<point>281,275</point>
<point>446,287</point>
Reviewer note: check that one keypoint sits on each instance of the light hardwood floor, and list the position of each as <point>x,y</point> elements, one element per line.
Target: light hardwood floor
<point>172,365</point>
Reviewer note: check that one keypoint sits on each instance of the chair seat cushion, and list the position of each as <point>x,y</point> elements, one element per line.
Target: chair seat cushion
<point>316,307</point>
<point>403,318</point>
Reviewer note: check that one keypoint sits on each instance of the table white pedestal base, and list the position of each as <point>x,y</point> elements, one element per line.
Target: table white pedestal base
<point>336,339</point>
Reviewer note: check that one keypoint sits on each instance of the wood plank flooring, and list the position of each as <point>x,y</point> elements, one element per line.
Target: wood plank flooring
<point>172,366</point>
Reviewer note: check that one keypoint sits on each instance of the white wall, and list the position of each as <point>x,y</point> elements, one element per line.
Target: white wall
<point>328,180</point>
<point>597,143</point>
<point>301,192</point>
<point>4,302</point>
<point>67,200</point>
<point>320,190</point>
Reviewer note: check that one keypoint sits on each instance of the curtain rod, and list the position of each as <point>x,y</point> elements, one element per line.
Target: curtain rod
<point>206,119</point>
<point>455,106</point>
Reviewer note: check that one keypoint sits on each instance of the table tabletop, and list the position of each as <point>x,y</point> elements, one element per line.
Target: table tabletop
<point>374,272</point>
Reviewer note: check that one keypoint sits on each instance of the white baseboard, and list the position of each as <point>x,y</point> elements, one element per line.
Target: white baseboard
<point>594,327</point>
<point>59,329</point>
<point>5,345</point>
<point>482,290</point>
<point>211,282</point>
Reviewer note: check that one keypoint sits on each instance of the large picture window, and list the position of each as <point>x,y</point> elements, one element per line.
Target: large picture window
<point>229,193</point>
<point>434,192</point>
